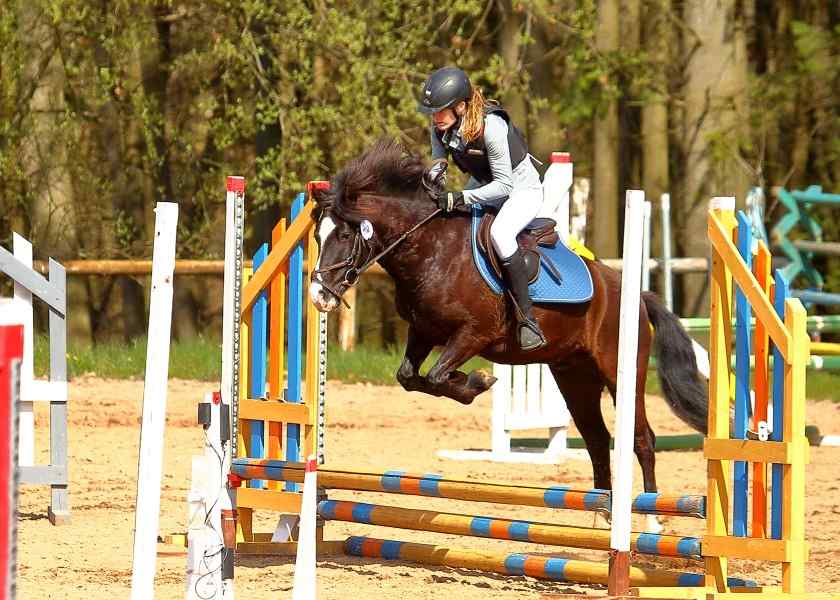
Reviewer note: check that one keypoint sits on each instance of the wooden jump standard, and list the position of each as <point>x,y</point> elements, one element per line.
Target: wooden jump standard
<point>781,341</point>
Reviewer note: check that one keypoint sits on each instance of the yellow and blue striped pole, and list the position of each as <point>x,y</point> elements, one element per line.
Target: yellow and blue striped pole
<point>540,567</point>
<point>503,529</point>
<point>438,486</point>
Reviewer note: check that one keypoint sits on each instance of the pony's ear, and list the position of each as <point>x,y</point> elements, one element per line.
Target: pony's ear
<point>319,191</point>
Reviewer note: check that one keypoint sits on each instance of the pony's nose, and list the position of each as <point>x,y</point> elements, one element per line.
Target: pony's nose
<point>323,300</point>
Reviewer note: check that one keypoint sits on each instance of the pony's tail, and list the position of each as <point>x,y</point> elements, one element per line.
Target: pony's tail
<point>676,364</point>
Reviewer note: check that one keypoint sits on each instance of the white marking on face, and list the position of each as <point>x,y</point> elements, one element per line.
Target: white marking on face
<point>322,300</point>
<point>324,230</point>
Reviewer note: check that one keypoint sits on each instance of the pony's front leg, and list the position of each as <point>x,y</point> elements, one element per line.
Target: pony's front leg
<point>445,380</point>
<point>416,351</point>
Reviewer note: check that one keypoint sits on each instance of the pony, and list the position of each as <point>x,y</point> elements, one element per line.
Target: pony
<point>379,209</point>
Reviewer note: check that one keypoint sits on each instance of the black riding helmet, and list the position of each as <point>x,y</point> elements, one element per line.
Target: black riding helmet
<point>443,88</point>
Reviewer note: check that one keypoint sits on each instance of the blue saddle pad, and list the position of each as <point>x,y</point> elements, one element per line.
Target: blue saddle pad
<point>575,284</point>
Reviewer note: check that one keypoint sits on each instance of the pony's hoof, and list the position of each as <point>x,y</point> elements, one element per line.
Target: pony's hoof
<point>480,379</point>
<point>653,524</point>
<point>601,521</point>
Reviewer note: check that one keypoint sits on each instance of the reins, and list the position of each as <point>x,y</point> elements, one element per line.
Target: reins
<point>398,241</point>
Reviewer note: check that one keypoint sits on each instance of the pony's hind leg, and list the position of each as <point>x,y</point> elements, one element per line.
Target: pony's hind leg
<point>644,440</point>
<point>581,386</point>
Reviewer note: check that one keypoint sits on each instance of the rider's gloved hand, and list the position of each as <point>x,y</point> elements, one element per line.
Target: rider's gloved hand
<point>449,201</point>
<point>436,174</point>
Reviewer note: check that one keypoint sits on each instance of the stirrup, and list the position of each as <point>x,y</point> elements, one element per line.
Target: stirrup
<point>530,335</point>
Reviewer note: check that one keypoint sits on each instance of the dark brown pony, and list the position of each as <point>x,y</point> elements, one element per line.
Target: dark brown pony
<point>446,303</point>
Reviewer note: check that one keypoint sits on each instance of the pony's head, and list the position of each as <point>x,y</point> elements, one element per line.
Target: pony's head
<point>356,213</point>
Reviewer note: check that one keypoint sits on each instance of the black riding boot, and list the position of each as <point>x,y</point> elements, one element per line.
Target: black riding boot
<point>530,335</point>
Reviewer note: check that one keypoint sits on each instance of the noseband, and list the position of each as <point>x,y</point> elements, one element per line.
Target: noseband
<point>356,263</point>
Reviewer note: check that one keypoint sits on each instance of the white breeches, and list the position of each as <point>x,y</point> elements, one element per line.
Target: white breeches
<point>518,210</point>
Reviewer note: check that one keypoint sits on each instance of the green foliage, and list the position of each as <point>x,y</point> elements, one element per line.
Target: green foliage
<point>107,108</point>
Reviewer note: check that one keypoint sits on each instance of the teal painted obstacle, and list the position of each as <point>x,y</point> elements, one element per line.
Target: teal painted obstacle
<point>798,220</point>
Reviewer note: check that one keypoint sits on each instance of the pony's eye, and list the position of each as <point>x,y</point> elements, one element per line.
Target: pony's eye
<point>344,236</point>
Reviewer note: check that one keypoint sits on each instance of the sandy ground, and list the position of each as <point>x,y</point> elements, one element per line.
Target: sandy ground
<point>372,426</point>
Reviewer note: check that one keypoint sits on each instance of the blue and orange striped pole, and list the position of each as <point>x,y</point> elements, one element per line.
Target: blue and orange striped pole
<point>435,485</point>
<point>503,529</point>
<point>540,567</point>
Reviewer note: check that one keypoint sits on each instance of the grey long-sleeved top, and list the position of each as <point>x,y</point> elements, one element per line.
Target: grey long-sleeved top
<point>505,178</point>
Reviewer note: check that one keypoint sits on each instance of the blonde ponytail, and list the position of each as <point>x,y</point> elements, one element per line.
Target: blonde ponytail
<point>474,117</point>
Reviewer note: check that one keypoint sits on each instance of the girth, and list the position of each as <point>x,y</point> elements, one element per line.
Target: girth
<point>539,232</point>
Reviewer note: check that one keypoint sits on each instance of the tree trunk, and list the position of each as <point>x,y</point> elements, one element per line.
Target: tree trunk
<point>157,62</point>
<point>714,87</point>
<point>549,135</point>
<point>510,47</point>
<point>110,132</point>
<point>606,198</point>
<point>655,179</point>
<point>629,112</point>
<point>45,156</point>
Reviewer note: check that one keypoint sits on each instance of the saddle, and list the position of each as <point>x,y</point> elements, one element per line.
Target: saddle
<point>538,234</point>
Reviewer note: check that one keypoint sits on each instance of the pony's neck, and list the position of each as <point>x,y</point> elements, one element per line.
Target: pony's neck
<point>395,217</point>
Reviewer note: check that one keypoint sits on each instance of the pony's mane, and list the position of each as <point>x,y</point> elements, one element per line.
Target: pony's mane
<point>386,168</point>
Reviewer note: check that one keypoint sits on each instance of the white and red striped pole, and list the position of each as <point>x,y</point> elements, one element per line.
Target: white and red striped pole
<point>11,353</point>
<point>304,582</point>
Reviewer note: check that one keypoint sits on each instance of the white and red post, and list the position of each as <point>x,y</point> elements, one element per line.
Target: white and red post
<point>11,354</point>
<point>625,402</point>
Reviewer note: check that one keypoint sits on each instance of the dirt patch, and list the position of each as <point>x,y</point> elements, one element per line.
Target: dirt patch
<point>377,427</point>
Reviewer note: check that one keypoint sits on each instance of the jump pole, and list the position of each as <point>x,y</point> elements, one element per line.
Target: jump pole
<point>540,567</point>
<point>503,529</point>
<point>625,402</point>
<point>438,486</point>
<point>147,511</point>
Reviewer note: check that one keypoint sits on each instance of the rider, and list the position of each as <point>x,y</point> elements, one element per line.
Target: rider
<point>482,141</point>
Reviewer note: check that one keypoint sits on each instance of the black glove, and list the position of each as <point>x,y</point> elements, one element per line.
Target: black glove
<point>449,201</point>
<point>436,174</point>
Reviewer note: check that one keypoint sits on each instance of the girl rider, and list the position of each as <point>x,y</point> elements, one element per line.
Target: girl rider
<point>482,141</point>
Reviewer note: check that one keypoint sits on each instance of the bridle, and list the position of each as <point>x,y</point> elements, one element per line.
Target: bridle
<point>362,256</point>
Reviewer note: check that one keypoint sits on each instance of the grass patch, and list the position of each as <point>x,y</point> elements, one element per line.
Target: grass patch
<point>196,358</point>
<point>200,358</point>
<point>373,365</point>
<point>823,385</point>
